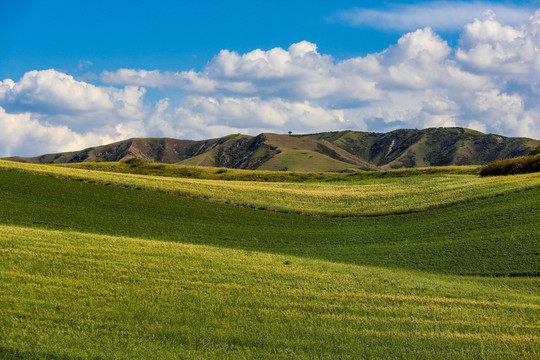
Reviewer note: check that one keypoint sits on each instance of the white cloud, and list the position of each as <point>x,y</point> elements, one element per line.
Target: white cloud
<point>26,134</point>
<point>55,93</point>
<point>440,15</point>
<point>422,44</point>
<point>298,73</point>
<point>506,111</point>
<point>49,111</point>
<point>490,48</point>
<point>201,116</point>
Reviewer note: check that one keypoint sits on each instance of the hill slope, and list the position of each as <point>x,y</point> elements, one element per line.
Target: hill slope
<point>499,223</point>
<point>428,147</point>
<point>330,151</point>
<point>70,295</point>
<point>106,270</point>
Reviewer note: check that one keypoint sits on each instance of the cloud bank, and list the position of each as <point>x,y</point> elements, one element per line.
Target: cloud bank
<point>489,82</point>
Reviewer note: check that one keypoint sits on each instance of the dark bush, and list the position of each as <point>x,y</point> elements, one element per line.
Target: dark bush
<point>133,162</point>
<point>520,165</point>
<point>535,151</point>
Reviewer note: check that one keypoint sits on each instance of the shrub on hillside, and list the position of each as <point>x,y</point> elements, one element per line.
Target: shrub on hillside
<point>535,151</point>
<point>133,162</point>
<point>520,165</point>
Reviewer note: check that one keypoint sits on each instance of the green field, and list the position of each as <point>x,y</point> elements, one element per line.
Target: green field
<point>327,196</point>
<point>101,265</point>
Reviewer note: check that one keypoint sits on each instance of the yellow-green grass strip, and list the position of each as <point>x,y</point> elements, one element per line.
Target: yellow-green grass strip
<point>75,295</point>
<point>362,198</point>
<point>137,166</point>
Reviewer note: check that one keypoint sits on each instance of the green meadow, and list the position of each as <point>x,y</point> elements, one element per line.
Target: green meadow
<point>399,192</point>
<point>114,265</point>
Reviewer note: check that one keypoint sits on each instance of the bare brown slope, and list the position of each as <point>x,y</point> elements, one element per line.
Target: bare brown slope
<point>165,150</point>
<point>240,152</point>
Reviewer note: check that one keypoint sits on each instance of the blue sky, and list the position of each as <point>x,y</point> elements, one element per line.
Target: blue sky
<point>170,35</point>
<point>79,73</point>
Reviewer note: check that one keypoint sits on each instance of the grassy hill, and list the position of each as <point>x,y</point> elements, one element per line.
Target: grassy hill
<point>69,295</point>
<point>429,147</point>
<point>345,195</point>
<point>344,151</point>
<point>106,265</point>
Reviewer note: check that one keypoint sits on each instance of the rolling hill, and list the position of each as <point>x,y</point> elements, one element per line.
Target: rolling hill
<point>99,265</point>
<point>330,151</point>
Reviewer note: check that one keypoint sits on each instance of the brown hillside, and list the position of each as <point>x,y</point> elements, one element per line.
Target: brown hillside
<point>330,151</point>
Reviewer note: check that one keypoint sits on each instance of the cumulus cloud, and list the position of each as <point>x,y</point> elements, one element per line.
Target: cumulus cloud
<point>489,82</point>
<point>51,111</point>
<point>54,93</point>
<point>440,15</point>
<point>491,48</point>
<point>27,134</point>
<point>202,116</point>
<point>298,73</point>
<point>50,91</point>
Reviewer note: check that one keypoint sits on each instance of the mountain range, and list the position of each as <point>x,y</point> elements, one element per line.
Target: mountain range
<point>327,151</point>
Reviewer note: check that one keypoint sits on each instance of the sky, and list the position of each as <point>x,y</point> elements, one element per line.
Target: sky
<point>75,74</point>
